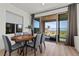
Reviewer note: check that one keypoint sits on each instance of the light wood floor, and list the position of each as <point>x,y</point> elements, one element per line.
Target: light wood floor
<point>52,49</point>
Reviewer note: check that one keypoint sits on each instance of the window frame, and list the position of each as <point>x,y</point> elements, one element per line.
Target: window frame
<point>10,27</point>
<point>15,31</point>
<point>16,28</point>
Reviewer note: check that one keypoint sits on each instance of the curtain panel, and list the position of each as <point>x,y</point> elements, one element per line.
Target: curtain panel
<point>32,23</point>
<point>72,18</point>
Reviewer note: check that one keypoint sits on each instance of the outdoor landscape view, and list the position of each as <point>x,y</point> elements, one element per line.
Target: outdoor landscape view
<point>50,28</point>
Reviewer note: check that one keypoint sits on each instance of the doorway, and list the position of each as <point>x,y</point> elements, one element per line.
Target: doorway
<point>54,26</point>
<point>50,29</point>
<point>63,27</point>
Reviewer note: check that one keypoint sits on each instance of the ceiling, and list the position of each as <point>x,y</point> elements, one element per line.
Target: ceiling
<point>38,7</point>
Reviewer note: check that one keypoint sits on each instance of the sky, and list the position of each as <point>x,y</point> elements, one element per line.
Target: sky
<point>36,24</point>
<point>63,24</point>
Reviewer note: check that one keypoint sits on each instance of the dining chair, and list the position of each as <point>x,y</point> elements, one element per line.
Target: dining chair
<point>26,33</point>
<point>20,50</point>
<point>18,33</point>
<point>36,43</point>
<point>43,40</point>
<point>8,47</point>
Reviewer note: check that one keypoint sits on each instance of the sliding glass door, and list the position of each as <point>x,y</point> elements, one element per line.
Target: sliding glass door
<point>56,27</point>
<point>63,30</point>
<point>63,27</point>
<point>50,29</point>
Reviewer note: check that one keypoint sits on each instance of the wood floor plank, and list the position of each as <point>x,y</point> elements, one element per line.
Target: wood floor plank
<point>52,49</point>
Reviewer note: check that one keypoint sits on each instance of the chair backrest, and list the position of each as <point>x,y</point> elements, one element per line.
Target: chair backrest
<point>25,33</point>
<point>43,38</point>
<point>37,40</point>
<point>19,33</point>
<point>7,43</point>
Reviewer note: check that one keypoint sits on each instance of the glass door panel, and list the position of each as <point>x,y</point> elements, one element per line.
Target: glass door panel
<point>50,28</point>
<point>63,27</point>
<point>63,30</point>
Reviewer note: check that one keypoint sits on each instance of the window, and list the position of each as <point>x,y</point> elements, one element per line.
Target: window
<point>50,28</point>
<point>18,28</point>
<point>10,28</point>
<point>13,22</point>
<point>36,26</point>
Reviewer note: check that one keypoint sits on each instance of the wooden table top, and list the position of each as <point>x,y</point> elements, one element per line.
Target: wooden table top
<point>22,38</point>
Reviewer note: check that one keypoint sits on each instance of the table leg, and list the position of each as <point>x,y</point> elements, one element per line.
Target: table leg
<point>26,47</point>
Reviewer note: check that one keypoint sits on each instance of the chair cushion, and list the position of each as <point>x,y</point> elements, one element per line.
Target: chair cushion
<point>30,44</point>
<point>16,46</point>
<point>36,41</point>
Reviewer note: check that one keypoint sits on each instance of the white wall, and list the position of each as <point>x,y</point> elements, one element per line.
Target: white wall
<point>76,38</point>
<point>52,12</point>
<point>78,19</point>
<point>13,18</point>
<point>11,8</point>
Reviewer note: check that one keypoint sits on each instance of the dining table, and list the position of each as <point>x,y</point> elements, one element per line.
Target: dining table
<point>23,38</point>
<point>20,38</point>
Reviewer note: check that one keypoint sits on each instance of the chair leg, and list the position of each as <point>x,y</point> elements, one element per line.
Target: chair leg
<point>9,53</point>
<point>18,51</point>
<point>40,49</point>
<point>26,46</point>
<point>34,52</point>
<point>31,49</point>
<point>23,51</point>
<point>5,52</point>
<point>26,50</point>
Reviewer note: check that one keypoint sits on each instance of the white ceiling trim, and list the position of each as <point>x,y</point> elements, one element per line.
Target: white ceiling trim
<point>38,7</point>
<point>52,12</point>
